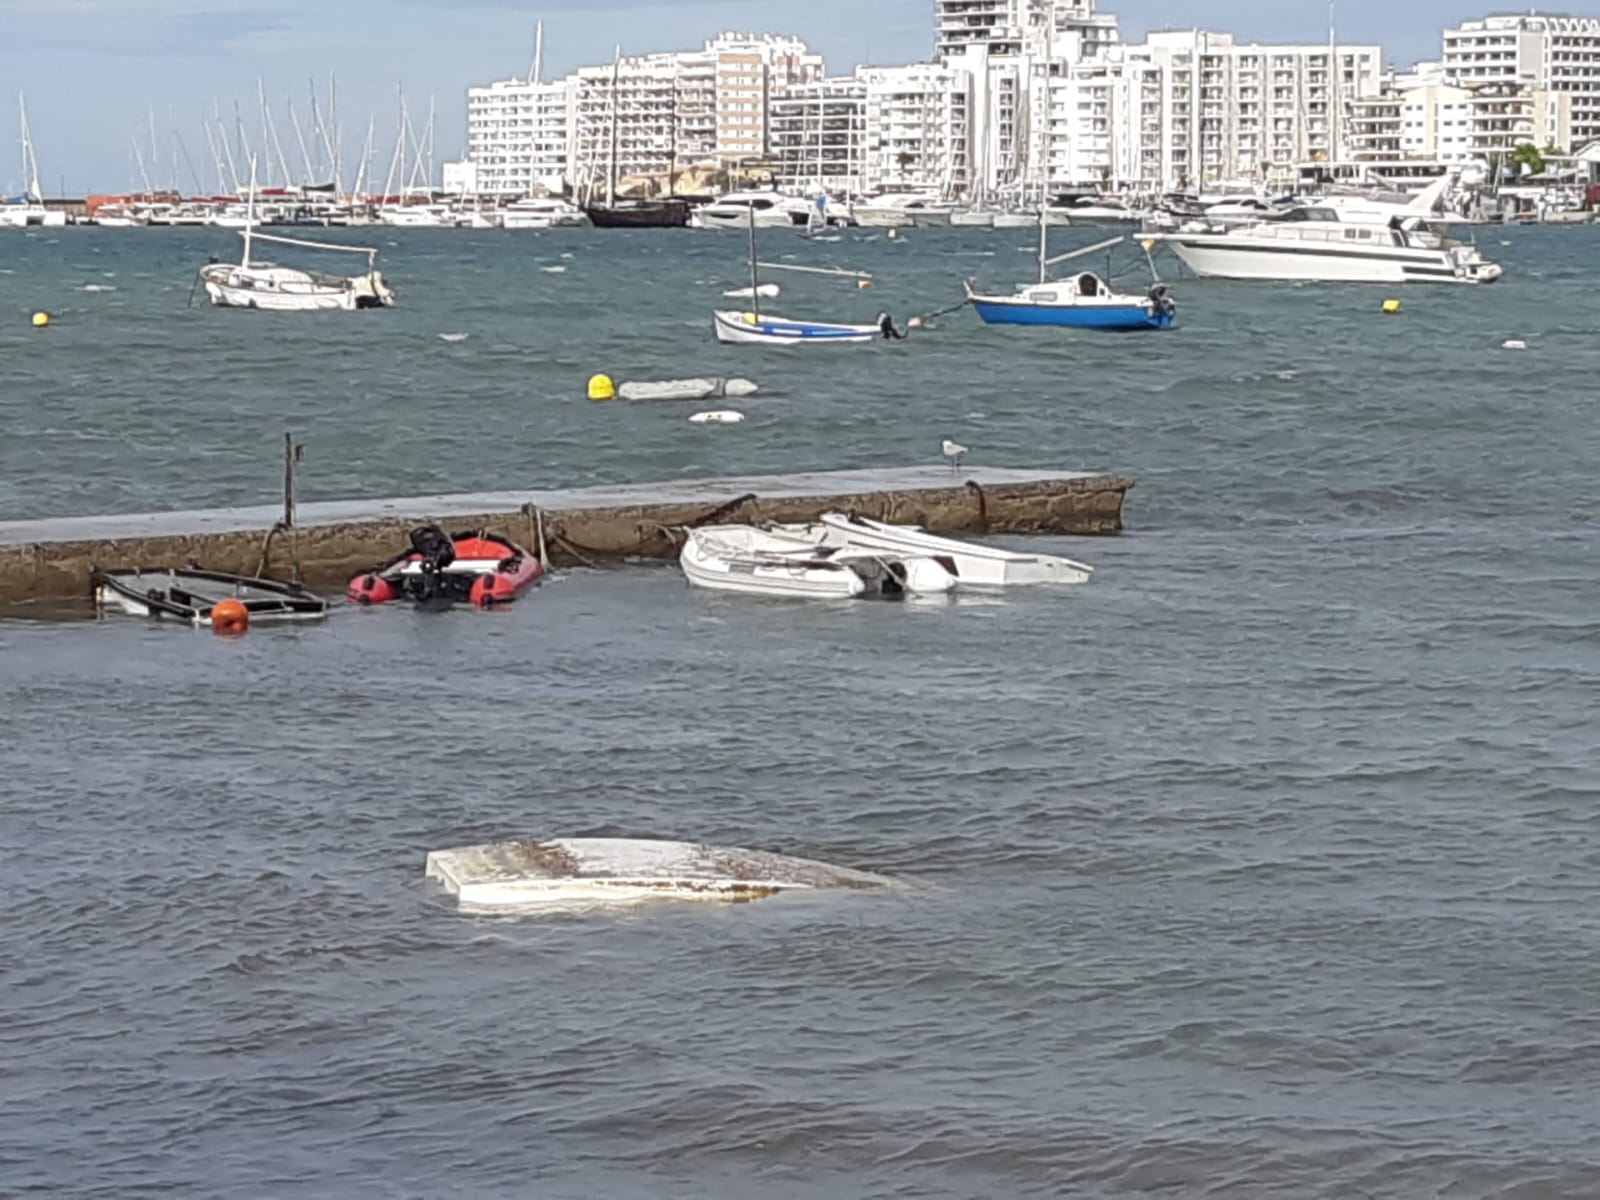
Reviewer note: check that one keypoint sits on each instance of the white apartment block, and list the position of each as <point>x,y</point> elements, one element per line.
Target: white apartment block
<point>518,137</point>
<point>819,136</point>
<point>918,128</point>
<point>1544,53</point>
<point>1448,123</point>
<point>671,111</point>
<point>677,110</point>
<point>1015,27</point>
<point>1186,108</point>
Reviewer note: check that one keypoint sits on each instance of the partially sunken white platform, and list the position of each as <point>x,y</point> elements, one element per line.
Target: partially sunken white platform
<point>601,871</point>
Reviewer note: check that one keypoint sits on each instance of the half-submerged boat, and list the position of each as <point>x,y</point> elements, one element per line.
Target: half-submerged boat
<point>1083,302</point>
<point>772,562</point>
<point>189,594</point>
<point>752,327</point>
<point>558,873</point>
<point>263,285</point>
<point>972,565</point>
<point>440,569</point>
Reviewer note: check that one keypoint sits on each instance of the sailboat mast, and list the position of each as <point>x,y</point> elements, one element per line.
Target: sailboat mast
<point>1334,94</point>
<point>249,212</point>
<point>755,280</point>
<point>611,174</point>
<point>1044,241</point>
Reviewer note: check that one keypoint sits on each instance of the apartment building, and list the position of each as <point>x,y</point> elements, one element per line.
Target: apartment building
<point>518,137</point>
<point>918,127</point>
<point>819,136</point>
<point>670,110</point>
<point>1009,28</point>
<point>1190,107</point>
<point>1543,53</point>
<point>676,110</point>
<point>1428,115</point>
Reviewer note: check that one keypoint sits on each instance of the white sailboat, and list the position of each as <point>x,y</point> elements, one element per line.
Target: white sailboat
<point>263,285</point>
<point>20,212</point>
<point>753,327</point>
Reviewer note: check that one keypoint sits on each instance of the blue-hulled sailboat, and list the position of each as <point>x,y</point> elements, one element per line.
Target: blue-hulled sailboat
<point>1084,301</point>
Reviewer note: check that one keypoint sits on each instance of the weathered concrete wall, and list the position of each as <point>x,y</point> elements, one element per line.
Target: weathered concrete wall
<point>327,554</point>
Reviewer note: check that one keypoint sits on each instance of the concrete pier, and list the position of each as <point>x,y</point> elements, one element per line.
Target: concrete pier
<point>333,540</point>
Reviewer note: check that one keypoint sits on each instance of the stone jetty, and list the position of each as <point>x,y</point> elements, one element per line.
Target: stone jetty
<point>329,541</point>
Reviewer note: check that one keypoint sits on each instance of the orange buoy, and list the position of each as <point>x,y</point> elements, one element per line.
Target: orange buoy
<point>229,616</point>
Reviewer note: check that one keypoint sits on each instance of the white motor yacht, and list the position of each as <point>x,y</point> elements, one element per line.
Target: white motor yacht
<point>1316,244</point>
<point>1101,211</point>
<point>903,208</point>
<point>771,210</point>
<point>549,212</point>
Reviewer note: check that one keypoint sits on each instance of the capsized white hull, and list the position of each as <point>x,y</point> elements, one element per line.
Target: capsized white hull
<point>577,873</point>
<point>973,565</point>
<point>775,562</point>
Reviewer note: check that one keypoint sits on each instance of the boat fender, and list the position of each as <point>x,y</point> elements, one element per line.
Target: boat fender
<point>370,589</point>
<point>671,389</point>
<point>229,616</point>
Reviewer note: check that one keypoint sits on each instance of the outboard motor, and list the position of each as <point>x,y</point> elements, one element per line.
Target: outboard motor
<point>436,550</point>
<point>886,327</point>
<point>1161,299</point>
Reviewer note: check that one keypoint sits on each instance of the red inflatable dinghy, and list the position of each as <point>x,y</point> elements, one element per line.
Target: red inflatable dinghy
<point>440,569</point>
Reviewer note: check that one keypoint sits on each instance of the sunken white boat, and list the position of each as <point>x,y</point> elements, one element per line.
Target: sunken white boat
<point>773,562</point>
<point>188,594</point>
<point>971,564</point>
<point>588,872</point>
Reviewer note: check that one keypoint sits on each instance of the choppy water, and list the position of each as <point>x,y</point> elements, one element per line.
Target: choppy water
<point>1266,862</point>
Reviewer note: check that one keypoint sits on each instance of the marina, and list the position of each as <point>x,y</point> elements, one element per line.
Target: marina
<point>515,739</point>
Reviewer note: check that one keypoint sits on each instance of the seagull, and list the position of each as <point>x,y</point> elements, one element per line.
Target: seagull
<point>953,451</point>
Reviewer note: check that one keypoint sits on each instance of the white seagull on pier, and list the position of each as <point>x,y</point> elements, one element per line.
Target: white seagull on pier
<point>953,451</point>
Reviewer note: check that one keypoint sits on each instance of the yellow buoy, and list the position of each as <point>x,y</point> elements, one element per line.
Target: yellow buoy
<point>601,387</point>
<point>863,283</point>
<point>1390,307</point>
<point>41,319</point>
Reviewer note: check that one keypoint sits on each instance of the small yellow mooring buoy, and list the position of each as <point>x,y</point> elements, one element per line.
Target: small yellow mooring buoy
<point>1390,307</point>
<point>41,319</point>
<point>601,387</point>
<point>863,283</point>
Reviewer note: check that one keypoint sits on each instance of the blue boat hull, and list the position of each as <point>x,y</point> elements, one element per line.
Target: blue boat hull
<point>1096,316</point>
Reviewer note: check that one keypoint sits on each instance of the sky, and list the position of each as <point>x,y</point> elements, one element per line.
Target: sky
<point>95,72</point>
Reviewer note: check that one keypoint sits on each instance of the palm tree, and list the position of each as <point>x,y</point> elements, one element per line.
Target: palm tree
<point>1527,154</point>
